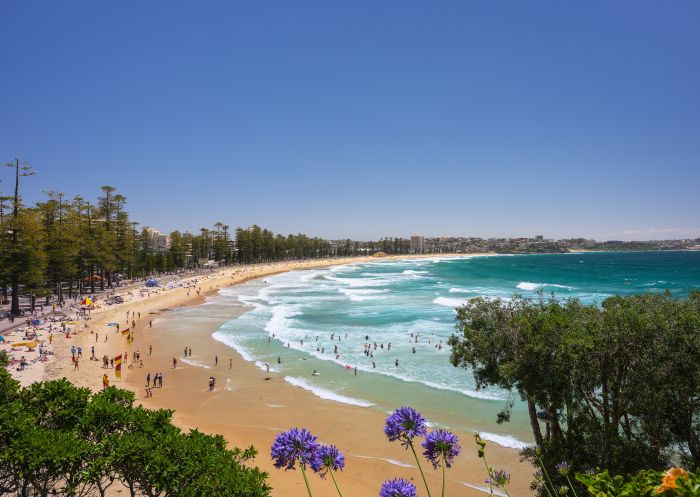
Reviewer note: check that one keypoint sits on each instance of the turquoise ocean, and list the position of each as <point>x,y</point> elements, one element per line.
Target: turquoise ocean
<point>294,322</point>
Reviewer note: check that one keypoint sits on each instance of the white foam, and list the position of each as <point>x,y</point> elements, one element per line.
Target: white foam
<point>504,440</point>
<point>363,294</point>
<point>529,286</point>
<point>193,362</point>
<point>280,318</point>
<point>275,406</point>
<point>310,275</point>
<point>485,489</point>
<point>448,302</point>
<point>526,285</point>
<point>325,394</point>
<point>227,339</point>
<point>385,459</point>
<point>413,272</point>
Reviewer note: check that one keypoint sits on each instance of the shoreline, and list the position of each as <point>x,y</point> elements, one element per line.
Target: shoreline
<point>248,406</point>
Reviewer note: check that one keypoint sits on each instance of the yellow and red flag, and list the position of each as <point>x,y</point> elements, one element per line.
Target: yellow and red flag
<point>125,332</point>
<point>118,367</point>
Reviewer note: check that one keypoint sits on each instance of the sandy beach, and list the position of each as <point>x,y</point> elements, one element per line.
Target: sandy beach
<point>249,406</point>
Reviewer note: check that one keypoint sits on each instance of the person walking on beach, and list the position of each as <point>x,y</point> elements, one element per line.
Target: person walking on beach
<point>150,323</point>
<point>75,364</point>
<point>189,351</point>
<point>105,381</point>
<point>148,380</point>
<point>97,335</point>
<point>216,360</point>
<point>230,363</point>
<point>150,349</point>
<point>185,351</point>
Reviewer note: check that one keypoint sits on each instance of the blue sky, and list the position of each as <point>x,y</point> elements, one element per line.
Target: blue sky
<point>363,118</point>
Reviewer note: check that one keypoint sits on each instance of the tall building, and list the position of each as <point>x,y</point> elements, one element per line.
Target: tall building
<point>417,244</point>
<point>159,241</point>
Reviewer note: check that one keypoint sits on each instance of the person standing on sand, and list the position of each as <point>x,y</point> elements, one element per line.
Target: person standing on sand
<point>185,351</point>
<point>148,380</point>
<point>230,363</point>
<point>174,363</point>
<point>105,381</point>
<point>97,335</point>
<point>150,349</point>
<point>216,360</point>
<point>150,323</point>
<point>189,351</point>
<point>75,364</point>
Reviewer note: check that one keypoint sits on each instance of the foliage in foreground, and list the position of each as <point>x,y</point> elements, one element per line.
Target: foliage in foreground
<point>675,482</point>
<point>613,386</point>
<point>58,439</point>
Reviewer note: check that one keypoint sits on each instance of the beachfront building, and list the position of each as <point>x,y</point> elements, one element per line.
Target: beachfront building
<point>417,244</point>
<point>159,241</point>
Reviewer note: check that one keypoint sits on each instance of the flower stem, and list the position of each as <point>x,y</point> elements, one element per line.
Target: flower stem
<point>303,472</point>
<point>488,472</point>
<point>443,475</point>
<point>571,485</point>
<point>506,490</point>
<point>546,474</point>
<point>336,483</point>
<point>410,444</point>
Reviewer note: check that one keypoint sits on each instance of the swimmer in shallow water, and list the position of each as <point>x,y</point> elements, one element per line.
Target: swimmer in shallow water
<point>315,373</point>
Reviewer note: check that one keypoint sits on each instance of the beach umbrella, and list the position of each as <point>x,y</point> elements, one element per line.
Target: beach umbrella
<point>87,301</point>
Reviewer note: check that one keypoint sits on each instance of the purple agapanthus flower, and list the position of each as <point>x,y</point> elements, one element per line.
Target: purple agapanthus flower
<point>563,468</point>
<point>439,445</point>
<point>500,478</point>
<point>405,424</point>
<point>398,487</point>
<point>327,458</point>
<point>292,446</point>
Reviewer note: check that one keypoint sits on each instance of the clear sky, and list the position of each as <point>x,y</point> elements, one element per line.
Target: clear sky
<point>363,118</point>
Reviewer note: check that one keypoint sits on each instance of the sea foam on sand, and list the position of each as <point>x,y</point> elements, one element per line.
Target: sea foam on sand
<point>325,394</point>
